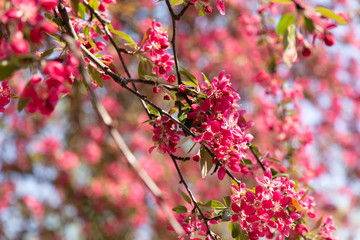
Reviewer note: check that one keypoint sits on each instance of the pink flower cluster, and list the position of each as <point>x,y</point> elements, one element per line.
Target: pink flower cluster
<point>327,228</point>
<point>44,95</point>
<point>21,14</point>
<point>156,47</point>
<point>191,224</point>
<point>220,126</point>
<point>274,205</point>
<point>166,135</point>
<point>4,95</point>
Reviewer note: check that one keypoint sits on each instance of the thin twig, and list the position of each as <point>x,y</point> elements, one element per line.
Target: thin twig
<point>257,158</point>
<point>196,205</point>
<point>173,40</point>
<point>181,13</point>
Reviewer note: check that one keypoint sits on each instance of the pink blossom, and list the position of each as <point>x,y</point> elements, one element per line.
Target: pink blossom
<point>5,95</point>
<point>220,7</point>
<point>20,46</point>
<point>68,161</point>
<point>156,47</point>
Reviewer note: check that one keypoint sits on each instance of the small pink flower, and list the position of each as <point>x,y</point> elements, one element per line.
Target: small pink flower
<point>20,46</point>
<point>68,161</point>
<point>5,95</point>
<point>221,7</point>
<point>49,4</point>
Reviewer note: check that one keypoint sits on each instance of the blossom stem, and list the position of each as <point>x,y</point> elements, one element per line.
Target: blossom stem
<point>196,205</point>
<point>257,158</point>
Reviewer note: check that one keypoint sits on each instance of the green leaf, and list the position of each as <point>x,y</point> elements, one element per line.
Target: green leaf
<point>48,52</point>
<point>309,24</point>
<point>184,196</point>
<point>214,204</point>
<point>48,16</point>
<point>97,78</point>
<point>200,9</point>
<point>318,223</point>
<point>22,103</point>
<point>206,162</point>
<point>183,141</point>
<point>191,78</point>
<point>280,175</point>
<point>58,21</point>
<point>94,4</point>
<point>144,68</point>
<point>243,235</point>
<point>176,2</point>
<point>82,10</point>
<point>227,201</point>
<point>180,209</point>
<point>153,110</point>
<point>97,29</point>
<point>86,30</point>
<point>273,159</point>
<point>110,27</point>
<point>256,150</point>
<point>234,229</point>
<point>93,45</point>
<point>289,41</point>
<point>246,162</point>
<point>191,148</point>
<point>124,36</point>
<point>251,190</point>
<point>325,12</point>
<point>7,69</point>
<point>273,172</point>
<point>281,1</point>
<point>206,79</point>
<point>234,182</point>
<point>284,23</point>
<point>74,5</point>
<point>147,121</point>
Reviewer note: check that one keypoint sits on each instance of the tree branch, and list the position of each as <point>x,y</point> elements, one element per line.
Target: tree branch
<point>182,181</point>
<point>120,143</point>
<point>257,158</point>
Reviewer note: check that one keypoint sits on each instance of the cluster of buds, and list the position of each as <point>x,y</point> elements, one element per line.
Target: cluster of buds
<point>44,95</point>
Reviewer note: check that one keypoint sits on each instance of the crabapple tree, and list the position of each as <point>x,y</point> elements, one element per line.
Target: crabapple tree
<point>189,119</point>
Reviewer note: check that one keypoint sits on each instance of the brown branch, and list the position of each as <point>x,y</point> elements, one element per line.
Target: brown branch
<point>257,157</point>
<point>120,143</point>
<point>196,205</point>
